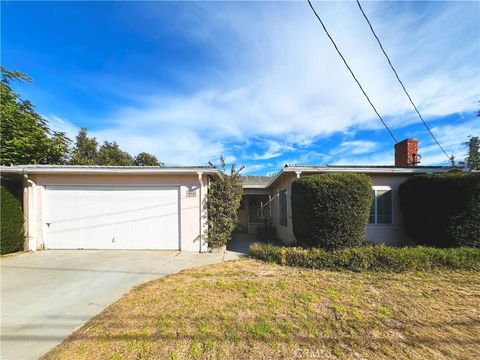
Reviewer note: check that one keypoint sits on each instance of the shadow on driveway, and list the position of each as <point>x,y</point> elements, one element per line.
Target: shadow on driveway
<point>240,243</point>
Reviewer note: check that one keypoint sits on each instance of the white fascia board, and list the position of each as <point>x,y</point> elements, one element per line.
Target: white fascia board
<point>255,186</point>
<point>369,170</point>
<point>356,169</point>
<point>92,170</point>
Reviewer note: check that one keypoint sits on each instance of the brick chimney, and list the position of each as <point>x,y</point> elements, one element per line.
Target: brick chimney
<point>406,153</point>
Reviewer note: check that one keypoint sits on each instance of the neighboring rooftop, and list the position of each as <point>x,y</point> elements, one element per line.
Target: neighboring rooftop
<point>252,181</point>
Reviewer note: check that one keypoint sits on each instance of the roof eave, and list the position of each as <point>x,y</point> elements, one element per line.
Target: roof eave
<point>254,186</point>
<point>371,170</point>
<point>91,170</point>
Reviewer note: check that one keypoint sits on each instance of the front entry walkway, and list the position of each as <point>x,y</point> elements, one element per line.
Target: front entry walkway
<point>46,295</point>
<point>240,243</point>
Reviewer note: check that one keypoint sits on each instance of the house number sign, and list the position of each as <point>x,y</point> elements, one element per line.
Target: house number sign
<point>191,193</point>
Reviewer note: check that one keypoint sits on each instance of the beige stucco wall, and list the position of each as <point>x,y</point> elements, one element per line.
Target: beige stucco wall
<point>189,206</point>
<point>394,233</point>
<point>284,233</point>
<point>389,234</point>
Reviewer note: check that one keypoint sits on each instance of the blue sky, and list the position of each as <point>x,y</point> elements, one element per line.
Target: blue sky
<point>256,81</point>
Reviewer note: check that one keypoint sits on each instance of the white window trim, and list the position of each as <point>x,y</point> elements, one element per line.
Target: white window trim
<point>386,188</point>
<point>379,187</point>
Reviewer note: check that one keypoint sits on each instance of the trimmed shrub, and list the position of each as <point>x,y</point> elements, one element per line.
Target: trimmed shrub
<point>12,234</point>
<point>442,210</point>
<point>371,258</point>
<point>331,211</point>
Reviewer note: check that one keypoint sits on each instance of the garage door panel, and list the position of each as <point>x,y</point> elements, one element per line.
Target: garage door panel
<point>100,217</point>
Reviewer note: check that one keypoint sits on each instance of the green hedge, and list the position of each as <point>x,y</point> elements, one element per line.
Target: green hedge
<point>442,210</point>
<point>12,234</point>
<point>371,258</point>
<point>331,211</point>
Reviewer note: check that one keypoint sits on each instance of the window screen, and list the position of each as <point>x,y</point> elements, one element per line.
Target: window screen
<point>381,210</point>
<point>282,216</point>
<point>384,206</point>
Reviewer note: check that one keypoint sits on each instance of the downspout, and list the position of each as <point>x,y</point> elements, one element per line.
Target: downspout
<point>200,181</point>
<point>32,228</point>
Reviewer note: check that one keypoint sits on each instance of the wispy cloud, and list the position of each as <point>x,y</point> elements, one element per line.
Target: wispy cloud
<point>358,147</point>
<point>452,137</point>
<point>273,149</point>
<point>58,124</point>
<point>279,84</point>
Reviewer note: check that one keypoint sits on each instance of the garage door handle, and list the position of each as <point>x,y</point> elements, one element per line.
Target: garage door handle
<point>48,224</point>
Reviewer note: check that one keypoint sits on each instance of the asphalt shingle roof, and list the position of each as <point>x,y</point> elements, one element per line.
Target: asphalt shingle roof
<point>255,180</point>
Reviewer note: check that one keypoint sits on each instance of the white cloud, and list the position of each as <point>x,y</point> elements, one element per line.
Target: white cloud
<point>379,158</point>
<point>56,123</point>
<point>452,137</point>
<point>274,149</point>
<point>280,78</point>
<point>355,152</point>
<point>358,147</point>
<point>249,169</point>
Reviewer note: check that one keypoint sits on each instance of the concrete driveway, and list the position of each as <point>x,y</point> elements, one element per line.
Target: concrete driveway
<point>46,295</point>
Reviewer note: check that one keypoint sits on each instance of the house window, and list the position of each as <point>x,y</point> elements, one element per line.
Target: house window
<point>282,208</point>
<point>381,210</point>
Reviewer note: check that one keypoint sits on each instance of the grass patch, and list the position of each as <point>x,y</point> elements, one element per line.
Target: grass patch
<point>371,258</point>
<point>248,309</point>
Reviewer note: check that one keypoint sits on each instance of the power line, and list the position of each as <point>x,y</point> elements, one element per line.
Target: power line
<point>400,81</point>
<point>351,72</point>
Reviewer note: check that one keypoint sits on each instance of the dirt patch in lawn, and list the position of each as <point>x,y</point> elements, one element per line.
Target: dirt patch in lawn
<point>248,309</point>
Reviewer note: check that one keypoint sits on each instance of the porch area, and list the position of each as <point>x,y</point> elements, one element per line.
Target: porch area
<point>254,209</point>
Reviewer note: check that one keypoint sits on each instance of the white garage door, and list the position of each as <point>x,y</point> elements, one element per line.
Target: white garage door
<point>112,217</point>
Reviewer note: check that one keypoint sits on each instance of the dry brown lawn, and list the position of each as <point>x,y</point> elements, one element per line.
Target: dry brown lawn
<point>247,309</point>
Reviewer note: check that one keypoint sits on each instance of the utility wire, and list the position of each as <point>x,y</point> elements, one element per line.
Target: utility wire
<point>351,72</point>
<point>400,81</point>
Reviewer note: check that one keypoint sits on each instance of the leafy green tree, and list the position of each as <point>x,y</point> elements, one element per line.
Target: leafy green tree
<point>84,151</point>
<point>223,201</point>
<point>110,154</point>
<point>146,159</point>
<point>473,157</point>
<point>25,136</point>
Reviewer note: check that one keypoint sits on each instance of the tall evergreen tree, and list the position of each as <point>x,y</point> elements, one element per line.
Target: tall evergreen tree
<point>146,159</point>
<point>110,154</point>
<point>84,151</point>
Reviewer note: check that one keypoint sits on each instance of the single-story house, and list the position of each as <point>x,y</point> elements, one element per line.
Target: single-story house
<point>97,207</point>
